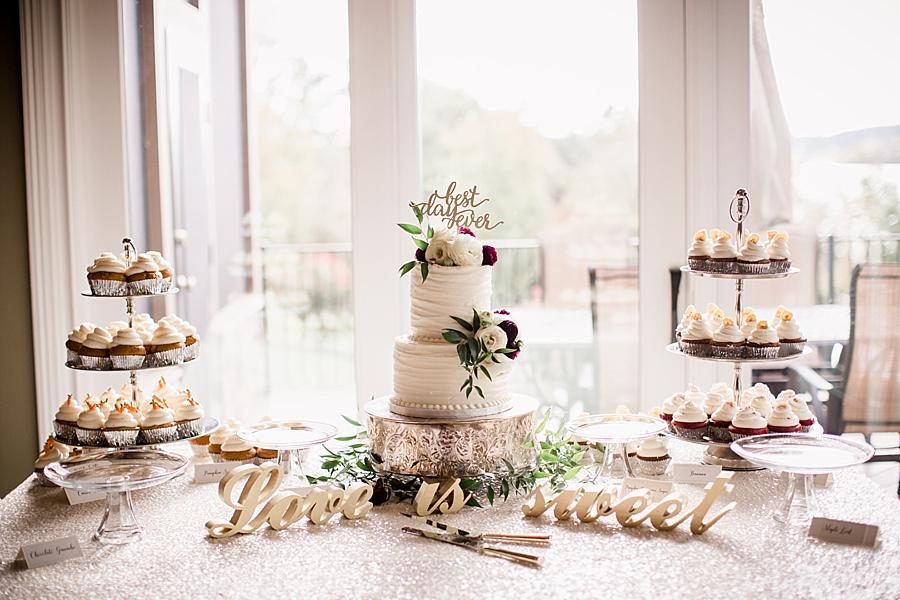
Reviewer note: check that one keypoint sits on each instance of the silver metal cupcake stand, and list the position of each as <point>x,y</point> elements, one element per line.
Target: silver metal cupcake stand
<point>720,453</point>
<point>119,471</point>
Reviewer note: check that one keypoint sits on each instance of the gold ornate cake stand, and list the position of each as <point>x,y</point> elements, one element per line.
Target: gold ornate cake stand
<point>444,448</point>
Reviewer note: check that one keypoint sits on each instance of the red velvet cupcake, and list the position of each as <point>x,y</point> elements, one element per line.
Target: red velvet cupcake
<point>690,421</point>
<point>783,420</point>
<point>720,421</point>
<point>747,422</point>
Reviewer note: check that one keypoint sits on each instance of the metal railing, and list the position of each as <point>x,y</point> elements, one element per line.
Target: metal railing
<point>836,256</point>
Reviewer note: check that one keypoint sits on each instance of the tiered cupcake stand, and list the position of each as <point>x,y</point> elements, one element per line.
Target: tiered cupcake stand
<point>719,453</point>
<point>118,471</point>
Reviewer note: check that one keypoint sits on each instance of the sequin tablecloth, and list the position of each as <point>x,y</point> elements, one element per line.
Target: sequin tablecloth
<point>746,555</point>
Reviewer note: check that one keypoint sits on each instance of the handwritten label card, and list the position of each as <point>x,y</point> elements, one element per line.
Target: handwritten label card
<point>49,553</point>
<point>658,489</point>
<point>212,472</point>
<point>80,497</point>
<point>683,473</point>
<point>843,532</point>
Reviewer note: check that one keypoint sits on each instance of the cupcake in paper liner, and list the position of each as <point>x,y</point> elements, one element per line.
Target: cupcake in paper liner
<point>122,427</point>
<point>94,352</point>
<point>143,276</point>
<point>218,437</point>
<point>191,342</point>
<point>690,421</point>
<point>778,252</point>
<point>763,342</point>
<point>800,406</point>
<point>167,274</point>
<point>699,252</point>
<point>747,422</point>
<point>158,425</point>
<point>51,453</point>
<point>782,419</point>
<point>670,405</point>
<point>166,346</point>
<point>127,349</point>
<point>790,337</point>
<point>89,429</point>
<point>720,421</point>
<point>266,455</point>
<point>696,338</point>
<point>752,258</point>
<point>106,275</point>
<point>728,341</point>
<point>66,420</point>
<point>652,457</point>
<point>723,258</point>
<point>189,417</point>
<point>237,450</point>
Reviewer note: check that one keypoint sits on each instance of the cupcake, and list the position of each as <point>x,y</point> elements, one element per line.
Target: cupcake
<point>189,417</point>
<point>126,350</point>
<point>713,401</point>
<point>778,252</point>
<point>94,352</point>
<point>696,339</point>
<point>52,452</point>
<point>234,449</point>
<point>694,394</point>
<point>652,457</point>
<point>761,389</point>
<point>722,390</point>
<point>698,253</point>
<point>753,259</point>
<point>106,276</point>
<point>165,270</point>
<point>789,335</point>
<point>143,277</point>
<point>685,321</point>
<point>782,419</point>
<point>728,341</point>
<point>748,323</point>
<point>266,455</point>
<point>763,342</point>
<point>191,342</point>
<point>779,312</point>
<point>199,446</point>
<point>107,401</point>
<point>669,407</point>
<point>143,321</point>
<point>66,420</point>
<point>762,405</point>
<point>114,326</point>
<point>720,421</point>
<point>158,424</point>
<point>164,391</point>
<point>132,394</point>
<point>89,429</point>
<point>216,439</point>
<point>122,426</point>
<point>747,422</point>
<point>73,346</point>
<point>689,421</point>
<point>166,347</point>
<point>713,316</point>
<point>723,258</point>
<point>801,408</point>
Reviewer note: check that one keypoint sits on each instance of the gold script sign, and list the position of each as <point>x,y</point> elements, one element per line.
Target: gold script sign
<point>457,209</point>
<point>588,505</point>
<point>281,509</point>
<point>450,498</point>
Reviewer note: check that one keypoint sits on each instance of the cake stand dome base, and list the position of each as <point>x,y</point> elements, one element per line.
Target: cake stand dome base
<point>443,447</point>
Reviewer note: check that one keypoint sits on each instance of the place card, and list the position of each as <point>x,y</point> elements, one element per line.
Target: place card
<point>51,552</point>
<point>843,532</point>
<point>658,488</point>
<point>80,497</point>
<point>686,473</point>
<point>212,472</point>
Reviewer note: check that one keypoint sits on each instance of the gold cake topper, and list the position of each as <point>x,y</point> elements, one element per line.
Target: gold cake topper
<point>457,209</point>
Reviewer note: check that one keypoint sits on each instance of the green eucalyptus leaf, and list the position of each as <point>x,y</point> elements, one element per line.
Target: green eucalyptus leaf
<point>539,474</point>
<point>411,229</point>
<point>424,272</point>
<point>461,352</point>
<point>476,320</point>
<point>351,421</point>
<point>463,323</point>
<point>548,456</point>
<point>487,373</point>
<point>430,233</point>
<point>478,389</point>
<point>417,211</point>
<point>452,336</point>
<point>420,244</point>
<point>543,423</point>
<point>571,473</point>
<point>345,438</point>
<point>490,495</point>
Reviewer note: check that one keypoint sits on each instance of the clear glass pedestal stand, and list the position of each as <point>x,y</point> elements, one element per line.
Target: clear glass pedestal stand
<point>615,432</point>
<point>290,438</point>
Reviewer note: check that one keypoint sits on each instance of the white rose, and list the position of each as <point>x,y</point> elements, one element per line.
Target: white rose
<point>438,247</point>
<point>465,251</point>
<point>492,337</point>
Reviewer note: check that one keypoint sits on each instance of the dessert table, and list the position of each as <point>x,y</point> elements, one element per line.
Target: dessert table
<point>747,554</point>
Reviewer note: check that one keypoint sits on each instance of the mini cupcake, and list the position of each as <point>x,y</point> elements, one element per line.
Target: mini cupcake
<point>164,391</point>
<point>126,350</point>
<point>133,395</point>
<point>801,408</point>
<point>763,343</point>
<point>107,401</point>
<point>89,429</point>
<point>52,452</point>
<point>747,422</point>
<point>782,419</point>
<point>728,341</point>
<point>713,316</point>
<point>722,390</point>
<point>189,418</point>
<point>266,455</point>
<point>191,343</point>
<point>695,394</point>
<point>713,401</point>
<point>114,326</point>
<point>106,276</point>
<point>158,425</point>
<point>165,270</point>
<point>143,321</point>
<point>216,439</point>
<point>723,258</point>
<point>789,335</point>
<point>696,340</point>
<point>779,312</point>
<point>166,347</point>
<point>652,457</point>
<point>752,258</point>
<point>762,405</point>
<point>199,446</point>
<point>689,421</point>
<point>234,449</point>
<point>778,252</point>
<point>73,345</point>
<point>698,253</point>
<point>122,426</point>
<point>669,407</point>
<point>143,276</point>
<point>685,321</point>
<point>748,323</point>
<point>720,421</point>
<point>94,350</point>
<point>66,420</point>
<point>761,389</point>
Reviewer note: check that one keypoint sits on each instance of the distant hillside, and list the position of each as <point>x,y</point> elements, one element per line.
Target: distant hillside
<point>875,145</point>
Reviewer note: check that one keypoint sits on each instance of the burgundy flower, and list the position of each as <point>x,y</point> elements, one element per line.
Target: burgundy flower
<point>501,311</point>
<point>420,255</point>
<point>467,231</point>
<point>512,334</point>
<point>489,254</point>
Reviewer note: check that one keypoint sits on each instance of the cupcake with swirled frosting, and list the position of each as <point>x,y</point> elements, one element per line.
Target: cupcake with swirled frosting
<point>189,417</point>
<point>652,457</point>
<point>89,429</point>
<point>696,339</point>
<point>126,350</point>
<point>66,420</point>
<point>728,341</point>
<point>106,275</point>
<point>218,437</point>
<point>669,407</point>
<point>747,422</point>
<point>158,424</point>
<point>790,337</point>
<point>73,343</point>
<point>748,323</point>
<point>94,350</point>
<point>761,404</point>
<point>763,343</point>
<point>143,276</point>
<point>685,320</point>
<point>166,347</point>
<point>690,421</point>
<point>52,452</point>
<point>720,421</point>
<point>191,342</point>
<point>698,253</point>
<point>782,419</point>
<point>753,259</point>
<point>165,270</point>
<point>122,426</point>
<point>800,407</point>
<point>723,258</point>
<point>234,449</point>
<point>778,252</point>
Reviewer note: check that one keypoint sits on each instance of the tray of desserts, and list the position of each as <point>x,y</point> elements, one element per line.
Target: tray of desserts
<point>169,291</point>
<point>147,344</point>
<point>675,349</point>
<point>126,418</point>
<point>714,252</point>
<point>776,275</point>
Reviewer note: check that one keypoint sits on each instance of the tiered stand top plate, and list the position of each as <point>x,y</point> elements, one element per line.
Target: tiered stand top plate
<point>170,291</point>
<point>674,349</point>
<point>791,271</point>
<point>114,370</point>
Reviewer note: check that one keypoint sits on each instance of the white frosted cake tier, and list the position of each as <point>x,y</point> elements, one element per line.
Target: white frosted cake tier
<point>427,378</point>
<point>447,291</point>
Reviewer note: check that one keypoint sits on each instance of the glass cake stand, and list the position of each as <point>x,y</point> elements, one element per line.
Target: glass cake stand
<point>118,473</point>
<point>289,438</point>
<point>614,431</point>
<point>802,456</point>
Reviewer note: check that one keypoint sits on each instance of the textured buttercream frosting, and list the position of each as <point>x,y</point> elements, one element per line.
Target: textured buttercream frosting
<point>448,291</point>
